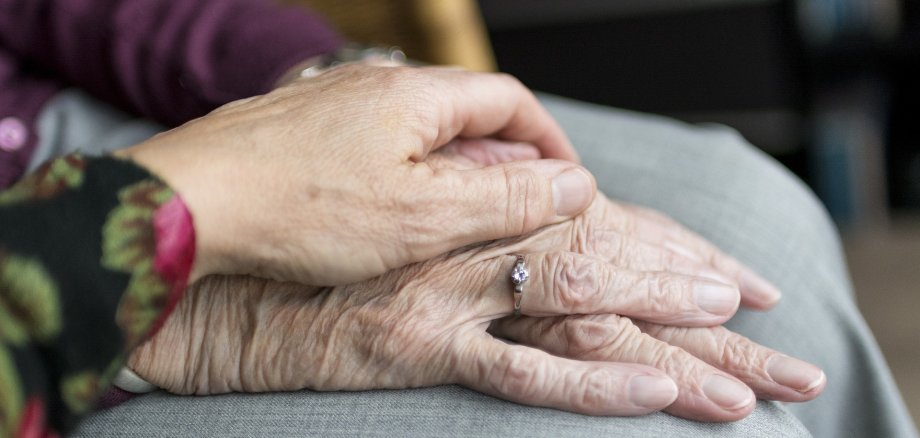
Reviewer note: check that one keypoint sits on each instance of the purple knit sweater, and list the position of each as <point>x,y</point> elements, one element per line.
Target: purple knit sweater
<point>169,60</point>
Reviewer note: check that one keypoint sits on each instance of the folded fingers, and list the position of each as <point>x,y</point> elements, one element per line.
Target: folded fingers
<point>705,392</point>
<point>532,377</point>
<point>657,229</point>
<point>771,374</point>
<point>629,252</point>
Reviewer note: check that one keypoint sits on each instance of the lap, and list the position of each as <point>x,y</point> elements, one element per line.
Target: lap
<point>707,178</point>
<point>440,411</point>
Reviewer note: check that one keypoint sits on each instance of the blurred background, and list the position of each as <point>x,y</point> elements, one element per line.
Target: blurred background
<point>828,87</point>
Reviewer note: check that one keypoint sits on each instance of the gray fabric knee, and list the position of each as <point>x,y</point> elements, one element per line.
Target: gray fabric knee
<point>445,411</point>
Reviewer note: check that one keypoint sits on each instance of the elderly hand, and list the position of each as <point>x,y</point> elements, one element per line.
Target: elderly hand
<point>630,236</point>
<point>422,325</point>
<point>708,363</point>
<point>426,324</point>
<point>324,182</point>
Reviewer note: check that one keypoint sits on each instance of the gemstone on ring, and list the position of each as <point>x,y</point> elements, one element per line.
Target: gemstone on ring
<point>519,274</point>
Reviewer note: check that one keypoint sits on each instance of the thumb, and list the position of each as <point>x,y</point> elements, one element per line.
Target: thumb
<point>503,200</point>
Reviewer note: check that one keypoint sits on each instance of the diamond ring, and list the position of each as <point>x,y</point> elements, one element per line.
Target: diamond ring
<point>519,276</point>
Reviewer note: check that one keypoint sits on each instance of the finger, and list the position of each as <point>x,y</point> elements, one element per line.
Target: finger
<point>771,374</point>
<point>658,229</point>
<point>631,253</point>
<point>706,393</point>
<point>568,283</point>
<point>461,207</point>
<point>494,105</point>
<point>532,377</point>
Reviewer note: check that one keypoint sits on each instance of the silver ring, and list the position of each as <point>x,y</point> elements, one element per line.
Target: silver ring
<point>519,276</point>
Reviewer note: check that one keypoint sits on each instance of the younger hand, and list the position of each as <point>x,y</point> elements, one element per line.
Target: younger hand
<point>324,181</point>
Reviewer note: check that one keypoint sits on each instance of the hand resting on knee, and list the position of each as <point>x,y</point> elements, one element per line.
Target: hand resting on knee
<point>620,317</point>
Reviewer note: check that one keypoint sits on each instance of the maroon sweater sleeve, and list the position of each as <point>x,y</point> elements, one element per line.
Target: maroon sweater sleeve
<point>21,99</point>
<point>170,60</point>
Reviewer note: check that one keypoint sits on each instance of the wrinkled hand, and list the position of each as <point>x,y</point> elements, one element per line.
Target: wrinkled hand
<point>324,182</point>
<point>426,324</point>
<point>422,325</point>
<point>626,235</point>
<point>709,364</point>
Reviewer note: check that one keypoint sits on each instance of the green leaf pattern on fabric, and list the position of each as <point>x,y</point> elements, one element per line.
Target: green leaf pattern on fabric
<point>79,391</point>
<point>29,296</point>
<point>12,332</point>
<point>11,401</point>
<point>103,194</point>
<point>52,178</point>
<point>129,246</point>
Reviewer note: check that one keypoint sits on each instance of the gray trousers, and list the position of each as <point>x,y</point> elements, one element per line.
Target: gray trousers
<point>708,178</point>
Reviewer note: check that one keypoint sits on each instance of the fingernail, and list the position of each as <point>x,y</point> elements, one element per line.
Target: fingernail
<point>754,283</point>
<point>716,298</point>
<point>727,393</point>
<point>573,190</point>
<point>796,374</point>
<point>653,392</point>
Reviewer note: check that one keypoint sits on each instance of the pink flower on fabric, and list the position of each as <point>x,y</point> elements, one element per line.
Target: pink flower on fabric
<point>174,232</point>
<point>33,421</point>
<point>175,241</point>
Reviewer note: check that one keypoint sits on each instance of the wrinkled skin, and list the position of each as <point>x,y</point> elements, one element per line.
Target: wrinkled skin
<point>433,323</point>
<point>289,184</point>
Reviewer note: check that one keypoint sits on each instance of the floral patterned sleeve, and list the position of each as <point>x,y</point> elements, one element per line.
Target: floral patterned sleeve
<point>94,253</point>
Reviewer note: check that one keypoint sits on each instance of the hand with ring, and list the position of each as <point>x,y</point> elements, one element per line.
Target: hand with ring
<point>440,321</point>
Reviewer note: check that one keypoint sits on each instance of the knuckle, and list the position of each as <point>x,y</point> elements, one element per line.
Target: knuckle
<point>671,359</point>
<point>662,355</point>
<point>582,337</point>
<point>594,390</point>
<point>527,205</point>
<point>518,372</point>
<point>597,337</point>
<point>667,293</point>
<point>737,354</point>
<point>574,281</point>
<point>589,239</point>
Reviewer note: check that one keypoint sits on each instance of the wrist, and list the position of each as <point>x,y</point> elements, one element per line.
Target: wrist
<point>176,223</point>
<point>201,349</point>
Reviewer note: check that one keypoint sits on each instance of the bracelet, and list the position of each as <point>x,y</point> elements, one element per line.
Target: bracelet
<point>354,53</point>
<point>128,380</point>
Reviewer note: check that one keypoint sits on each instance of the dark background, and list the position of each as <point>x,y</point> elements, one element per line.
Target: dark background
<point>826,86</point>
